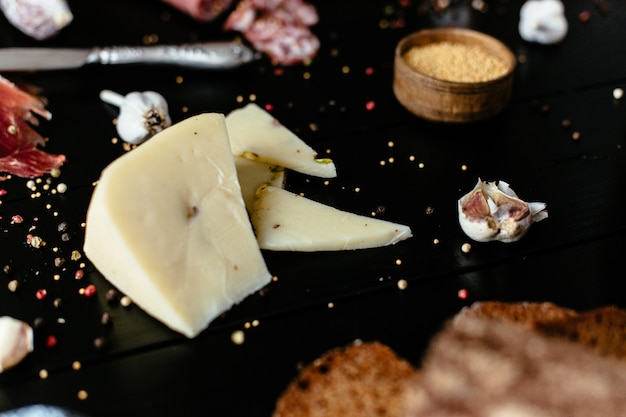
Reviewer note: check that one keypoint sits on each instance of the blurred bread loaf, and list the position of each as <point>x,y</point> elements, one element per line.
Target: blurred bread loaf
<point>602,329</point>
<point>524,360</point>
<point>360,379</point>
<point>527,314</point>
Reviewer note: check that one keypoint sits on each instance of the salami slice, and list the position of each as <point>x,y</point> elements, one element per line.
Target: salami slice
<point>278,28</point>
<point>201,10</point>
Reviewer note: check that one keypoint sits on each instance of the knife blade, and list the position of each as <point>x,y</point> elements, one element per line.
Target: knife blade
<point>208,55</point>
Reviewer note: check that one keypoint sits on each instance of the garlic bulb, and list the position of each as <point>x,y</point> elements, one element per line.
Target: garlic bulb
<point>542,21</point>
<point>494,212</point>
<point>16,341</point>
<point>142,114</point>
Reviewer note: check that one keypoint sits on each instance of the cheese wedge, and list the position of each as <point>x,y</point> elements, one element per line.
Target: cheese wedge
<point>285,221</point>
<point>256,134</point>
<point>253,174</point>
<point>168,227</point>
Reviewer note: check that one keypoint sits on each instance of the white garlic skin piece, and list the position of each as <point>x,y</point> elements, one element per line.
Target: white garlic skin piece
<point>142,115</point>
<point>543,21</point>
<point>494,212</point>
<point>39,19</point>
<point>16,341</point>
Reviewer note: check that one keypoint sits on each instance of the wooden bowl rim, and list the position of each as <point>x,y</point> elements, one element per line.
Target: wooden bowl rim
<point>427,36</point>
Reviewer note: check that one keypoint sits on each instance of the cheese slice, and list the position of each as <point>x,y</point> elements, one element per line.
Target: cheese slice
<point>253,174</point>
<point>285,221</point>
<point>168,227</point>
<point>256,134</point>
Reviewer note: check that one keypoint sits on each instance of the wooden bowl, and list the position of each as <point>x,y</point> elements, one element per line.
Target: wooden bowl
<point>472,82</point>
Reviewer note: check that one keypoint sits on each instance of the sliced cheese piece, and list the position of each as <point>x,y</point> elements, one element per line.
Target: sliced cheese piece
<point>253,174</point>
<point>285,221</point>
<point>256,134</point>
<point>168,227</point>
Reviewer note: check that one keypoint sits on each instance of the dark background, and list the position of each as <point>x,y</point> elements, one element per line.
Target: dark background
<point>323,300</point>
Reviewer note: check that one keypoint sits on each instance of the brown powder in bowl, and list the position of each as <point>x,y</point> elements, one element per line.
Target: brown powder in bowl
<point>453,61</point>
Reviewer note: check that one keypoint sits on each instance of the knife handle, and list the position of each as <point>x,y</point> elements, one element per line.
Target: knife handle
<point>210,55</point>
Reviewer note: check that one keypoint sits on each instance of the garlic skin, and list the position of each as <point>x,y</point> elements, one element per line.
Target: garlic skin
<point>142,114</point>
<point>16,341</point>
<point>39,19</point>
<point>494,212</point>
<point>543,21</point>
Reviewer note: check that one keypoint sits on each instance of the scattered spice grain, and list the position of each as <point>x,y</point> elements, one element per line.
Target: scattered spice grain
<point>106,319</point>
<point>238,337</point>
<point>99,343</point>
<point>454,61</point>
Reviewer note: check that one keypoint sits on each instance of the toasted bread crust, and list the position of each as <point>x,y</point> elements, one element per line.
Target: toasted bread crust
<point>505,358</point>
<point>524,313</point>
<point>602,329</point>
<point>361,379</point>
<point>478,366</point>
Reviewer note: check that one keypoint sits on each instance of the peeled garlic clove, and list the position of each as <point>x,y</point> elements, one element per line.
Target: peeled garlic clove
<point>16,341</point>
<point>494,212</point>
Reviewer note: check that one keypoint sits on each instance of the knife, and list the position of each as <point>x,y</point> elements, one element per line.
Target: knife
<point>209,55</point>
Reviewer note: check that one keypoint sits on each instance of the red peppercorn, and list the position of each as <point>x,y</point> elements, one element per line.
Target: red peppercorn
<point>463,293</point>
<point>584,16</point>
<point>51,341</point>
<point>90,290</point>
<point>41,294</point>
<point>79,274</point>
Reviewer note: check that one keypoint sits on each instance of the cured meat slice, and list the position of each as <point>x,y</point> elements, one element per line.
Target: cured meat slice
<point>278,28</point>
<point>201,10</point>
<point>19,154</point>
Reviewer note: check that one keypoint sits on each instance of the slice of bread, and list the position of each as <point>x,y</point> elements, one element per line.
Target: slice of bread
<point>602,329</point>
<point>527,314</point>
<point>522,359</point>
<point>479,366</point>
<point>361,379</point>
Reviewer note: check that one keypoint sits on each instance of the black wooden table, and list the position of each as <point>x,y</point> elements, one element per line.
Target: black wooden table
<point>409,170</point>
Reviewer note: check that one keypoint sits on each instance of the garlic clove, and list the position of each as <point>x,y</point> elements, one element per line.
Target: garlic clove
<point>494,212</point>
<point>543,21</point>
<point>142,114</point>
<point>16,341</point>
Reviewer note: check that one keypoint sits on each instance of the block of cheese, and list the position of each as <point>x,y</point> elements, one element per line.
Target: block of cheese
<point>253,174</point>
<point>168,227</point>
<point>289,222</point>
<point>256,134</point>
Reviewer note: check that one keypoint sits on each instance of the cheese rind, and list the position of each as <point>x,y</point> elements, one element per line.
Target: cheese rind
<point>168,227</point>
<point>285,221</point>
<point>256,134</point>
